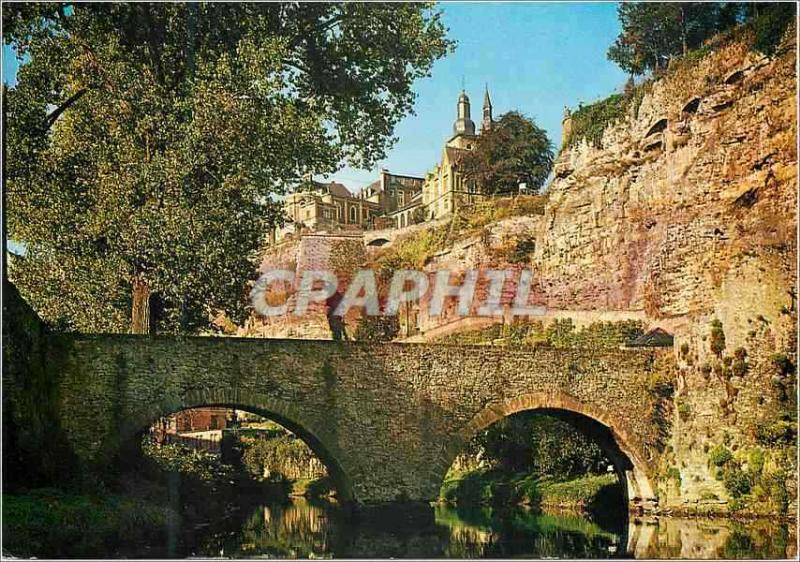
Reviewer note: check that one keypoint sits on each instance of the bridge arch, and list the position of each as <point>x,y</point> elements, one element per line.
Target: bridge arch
<point>609,433</point>
<point>279,411</point>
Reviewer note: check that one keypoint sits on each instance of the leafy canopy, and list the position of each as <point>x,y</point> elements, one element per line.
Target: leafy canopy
<point>514,150</point>
<point>654,32</point>
<point>146,142</point>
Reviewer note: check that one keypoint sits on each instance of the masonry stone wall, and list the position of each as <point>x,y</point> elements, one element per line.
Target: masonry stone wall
<point>388,419</point>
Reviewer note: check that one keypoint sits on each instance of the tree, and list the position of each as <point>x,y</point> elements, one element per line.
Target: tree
<point>654,32</point>
<point>540,444</point>
<point>514,150</point>
<point>146,142</point>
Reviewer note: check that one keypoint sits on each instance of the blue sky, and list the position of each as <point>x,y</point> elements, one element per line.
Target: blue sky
<point>536,57</point>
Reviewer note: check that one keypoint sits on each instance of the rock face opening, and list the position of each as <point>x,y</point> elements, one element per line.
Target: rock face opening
<point>723,106</point>
<point>734,77</point>
<point>659,127</point>
<point>654,146</point>
<point>691,106</point>
<point>378,242</point>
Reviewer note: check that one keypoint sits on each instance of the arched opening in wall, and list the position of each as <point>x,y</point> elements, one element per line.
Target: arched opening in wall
<point>220,469</point>
<point>541,459</point>
<point>545,457</point>
<point>248,448</point>
<point>658,127</point>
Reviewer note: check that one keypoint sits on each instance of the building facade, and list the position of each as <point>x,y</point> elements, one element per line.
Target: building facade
<point>393,200</point>
<point>386,203</point>
<point>445,188</point>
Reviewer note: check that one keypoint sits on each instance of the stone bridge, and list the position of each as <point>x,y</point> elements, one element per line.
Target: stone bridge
<point>387,419</point>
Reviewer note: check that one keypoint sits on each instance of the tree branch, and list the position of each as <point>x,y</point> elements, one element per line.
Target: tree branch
<point>56,113</point>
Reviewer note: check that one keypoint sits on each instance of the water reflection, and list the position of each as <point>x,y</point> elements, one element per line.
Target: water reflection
<point>300,529</point>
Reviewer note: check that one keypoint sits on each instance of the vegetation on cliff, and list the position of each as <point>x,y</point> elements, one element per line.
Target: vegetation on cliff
<point>666,40</point>
<point>560,333</point>
<point>416,251</point>
<point>655,33</point>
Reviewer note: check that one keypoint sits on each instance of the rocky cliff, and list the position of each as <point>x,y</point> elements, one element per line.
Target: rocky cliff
<point>683,215</point>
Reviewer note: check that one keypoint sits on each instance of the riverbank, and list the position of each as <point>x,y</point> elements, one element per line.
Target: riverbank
<point>488,487</point>
<point>49,522</point>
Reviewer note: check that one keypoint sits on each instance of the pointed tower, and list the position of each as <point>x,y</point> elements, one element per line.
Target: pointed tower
<point>486,124</point>
<point>463,125</point>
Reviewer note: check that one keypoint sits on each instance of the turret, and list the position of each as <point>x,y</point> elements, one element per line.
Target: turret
<point>463,125</point>
<point>566,126</point>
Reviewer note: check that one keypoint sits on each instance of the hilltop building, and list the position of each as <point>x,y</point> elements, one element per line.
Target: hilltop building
<point>319,206</point>
<point>445,189</point>
<point>392,201</point>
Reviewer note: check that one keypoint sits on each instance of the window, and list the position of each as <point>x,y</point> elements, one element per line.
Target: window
<point>352,214</point>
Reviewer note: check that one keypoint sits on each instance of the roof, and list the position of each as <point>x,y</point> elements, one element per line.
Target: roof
<point>339,190</point>
<point>654,338</point>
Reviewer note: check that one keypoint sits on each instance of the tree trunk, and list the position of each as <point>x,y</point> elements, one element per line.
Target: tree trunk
<point>140,312</point>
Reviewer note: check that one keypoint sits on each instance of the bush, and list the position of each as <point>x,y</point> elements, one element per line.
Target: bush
<point>736,481</point>
<point>783,364</point>
<point>720,455</point>
<point>589,122</point>
<point>684,411</point>
<point>781,432</point>
<point>717,337</point>
<point>52,523</point>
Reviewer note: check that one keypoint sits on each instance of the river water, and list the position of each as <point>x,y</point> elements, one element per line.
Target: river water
<point>303,529</point>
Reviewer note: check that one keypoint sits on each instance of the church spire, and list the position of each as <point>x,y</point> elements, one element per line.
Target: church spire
<point>486,123</point>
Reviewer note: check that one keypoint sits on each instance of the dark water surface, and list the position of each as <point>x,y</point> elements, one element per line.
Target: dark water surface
<point>302,529</point>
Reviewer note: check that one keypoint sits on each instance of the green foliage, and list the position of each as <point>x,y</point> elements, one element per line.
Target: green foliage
<point>175,125</point>
<point>539,445</point>
<point>514,150</point>
<point>282,456</point>
<point>52,523</point>
<point>377,328</point>
<point>783,364</point>
<point>652,33</point>
<point>589,122</point>
<point>776,434</point>
<point>202,465</point>
<point>720,455</point>
<point>490,487</point>
<point>769,23</point>
<point>580,491</point>
<point>655,34</point>
<point>560,333</point>
<point>684,410</point>
<point>755,461</point>
<point>717,341</point>
<point>414,252</point>
<point>736,481</point>
<point>674,474</point>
